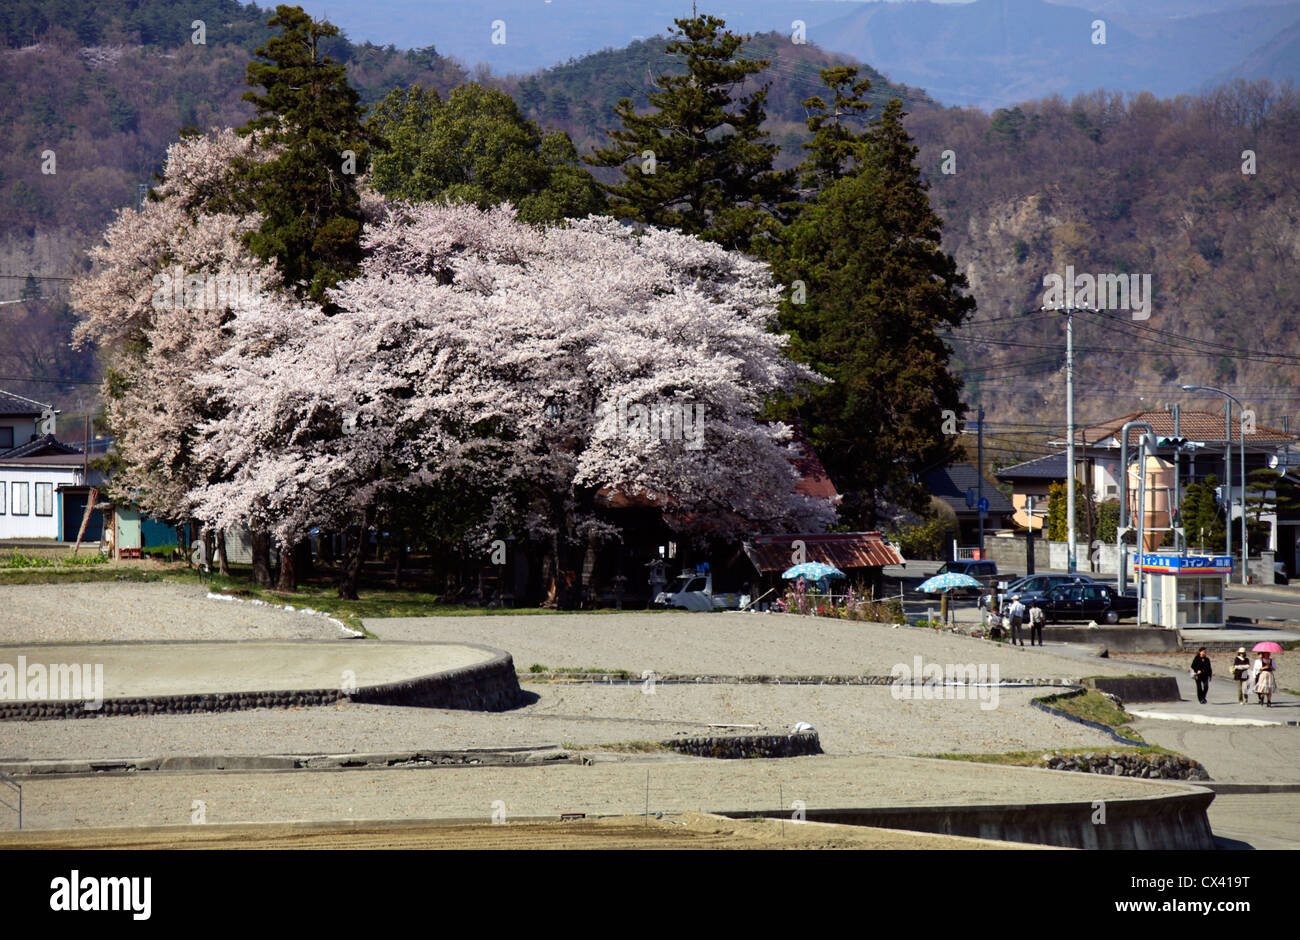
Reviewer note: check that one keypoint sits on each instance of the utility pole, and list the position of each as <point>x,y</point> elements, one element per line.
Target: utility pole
<point>980,478</point>
<point>1227,477</point>
<point>1029,535</point>
<point>1071,562</point>
<point>1227,470</point>
<point>1071,535</point>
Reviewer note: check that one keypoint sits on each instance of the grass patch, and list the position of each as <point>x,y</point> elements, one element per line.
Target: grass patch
<point>1035,758</point>
<point>1093,706</point>
<point>78,575</point>
<point>631,747</point>
<point>19,560</point>
<point>581,670</point>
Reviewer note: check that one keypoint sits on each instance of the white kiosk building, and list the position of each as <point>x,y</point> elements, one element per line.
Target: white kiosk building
<point>1184,591</point>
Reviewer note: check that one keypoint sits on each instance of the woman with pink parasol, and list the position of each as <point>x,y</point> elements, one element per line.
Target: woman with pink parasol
<point>1265,671</point>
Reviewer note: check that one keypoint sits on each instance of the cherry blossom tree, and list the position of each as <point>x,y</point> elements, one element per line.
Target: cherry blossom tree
<point>165,276</point>
<point>545,365</point>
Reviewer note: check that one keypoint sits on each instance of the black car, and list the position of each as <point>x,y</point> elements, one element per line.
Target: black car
<point>1099,602</point>
<point>1035,584</point>
<point>986,572</point>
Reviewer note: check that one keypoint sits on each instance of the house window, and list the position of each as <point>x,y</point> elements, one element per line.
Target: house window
<point>3,504</point>
<point>44,499</point>
<point>6,438</point>
<point>20,499</point>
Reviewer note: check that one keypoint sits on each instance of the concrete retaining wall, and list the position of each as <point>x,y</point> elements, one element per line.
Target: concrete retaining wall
<point>485,686</point>
<point>1137,688</point>
<point>1117,639</point>
<point>1173,821</point>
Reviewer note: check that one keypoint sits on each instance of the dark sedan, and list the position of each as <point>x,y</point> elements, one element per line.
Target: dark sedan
<point>1099,602</point>
<point>1035,585</point>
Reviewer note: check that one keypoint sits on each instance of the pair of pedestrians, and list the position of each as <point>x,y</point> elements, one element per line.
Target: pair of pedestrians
<point>1260,677</point>
<point>1016,617</point>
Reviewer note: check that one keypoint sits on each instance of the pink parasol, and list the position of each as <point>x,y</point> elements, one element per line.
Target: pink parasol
<point>1268,646</point>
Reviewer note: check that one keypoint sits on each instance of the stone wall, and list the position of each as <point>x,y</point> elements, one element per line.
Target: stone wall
<point>485,686</point>
<point>1119,764</point>
<point>736,746</point>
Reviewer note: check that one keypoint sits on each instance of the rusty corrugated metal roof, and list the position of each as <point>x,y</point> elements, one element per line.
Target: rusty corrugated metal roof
<point>1194,425</point>
<point>844,550</point>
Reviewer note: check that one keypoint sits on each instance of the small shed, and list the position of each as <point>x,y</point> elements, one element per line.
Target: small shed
<point>862,556</point>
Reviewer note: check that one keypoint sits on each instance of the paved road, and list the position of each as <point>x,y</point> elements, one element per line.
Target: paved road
<point>1276,602</point>
<point>1234,754</point>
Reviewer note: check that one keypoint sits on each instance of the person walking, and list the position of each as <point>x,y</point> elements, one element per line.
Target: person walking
<point>1036,620</point>
<point>1201,672</point>
<point>1266,680</point>
<point>1241,675</point>
<point>1017,614</point>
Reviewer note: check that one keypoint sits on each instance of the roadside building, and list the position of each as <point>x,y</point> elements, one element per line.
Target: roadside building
<point>956,485</point>
<point>1033,478</point>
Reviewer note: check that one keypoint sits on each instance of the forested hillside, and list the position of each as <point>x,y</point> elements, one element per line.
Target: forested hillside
<point>1106,183</point>
<point>580,95</point>
<point>1127,186</point>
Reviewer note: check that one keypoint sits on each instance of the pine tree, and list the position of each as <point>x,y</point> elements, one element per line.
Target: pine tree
<point>1202,517</point>
<point>700,162</point>
<point>835,146</point>
<point>310,119</point>
<point>877,290</point>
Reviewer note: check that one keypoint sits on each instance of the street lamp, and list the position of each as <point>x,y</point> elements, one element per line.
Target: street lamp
<point>1241,436</point>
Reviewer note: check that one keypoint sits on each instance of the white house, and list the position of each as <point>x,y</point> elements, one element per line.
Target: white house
<point>35,481</point>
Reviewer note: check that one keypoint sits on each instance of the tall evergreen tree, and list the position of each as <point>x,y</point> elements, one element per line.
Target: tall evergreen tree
<point>700,161</point>
<point>876,292</point>
<point>310,119</point>
<point>478,147</point>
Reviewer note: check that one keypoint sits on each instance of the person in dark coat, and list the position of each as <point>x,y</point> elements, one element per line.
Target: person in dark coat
<point>1202,672</point>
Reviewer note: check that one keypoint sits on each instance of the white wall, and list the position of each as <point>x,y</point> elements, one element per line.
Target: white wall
<point>23,429</point>
<point>32,526</point>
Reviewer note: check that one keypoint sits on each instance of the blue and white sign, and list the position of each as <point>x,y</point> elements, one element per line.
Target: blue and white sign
<point>984,504</point>
<point>1187,564</point>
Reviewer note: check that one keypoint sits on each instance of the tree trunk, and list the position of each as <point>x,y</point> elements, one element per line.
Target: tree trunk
<point>356,558</point>
<point>261,546</point>
<point>288,568</point>
<point>325,548</point>
<point>223,563</point>
<point>209,541</point>
<point>399,556</point>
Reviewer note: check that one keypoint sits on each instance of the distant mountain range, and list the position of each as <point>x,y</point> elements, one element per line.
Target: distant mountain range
<point>988,53</point>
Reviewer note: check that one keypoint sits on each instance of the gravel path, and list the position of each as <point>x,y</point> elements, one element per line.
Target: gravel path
<point>729,644</point>
<point>99,611</point>
<point>674,786</point>
<point>849,720</point>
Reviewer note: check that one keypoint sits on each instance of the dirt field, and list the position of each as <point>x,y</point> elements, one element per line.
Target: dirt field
<point>688,831</point>
<point>100,611</point>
